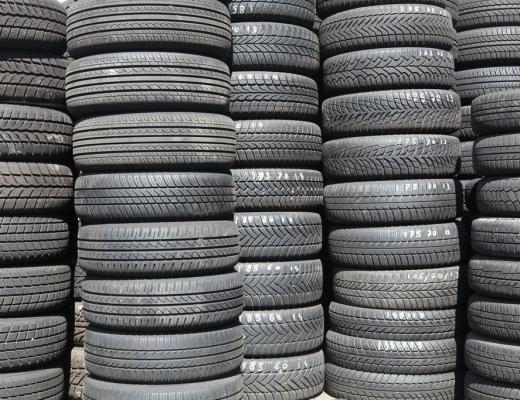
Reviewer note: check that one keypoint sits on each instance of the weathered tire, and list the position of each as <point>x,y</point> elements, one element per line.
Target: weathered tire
<point>279,235</point>
<point>484,13</point>
<point>472,83</point>
<point>163,304</point>
<point>80,324</point>
<point>154,141</point>
<point>493,318</point>
<point>298,12</point>
<point>497,155</point>
<point>498,237</point>
<point>498,197</point>
<point>158,249</point>
<point>146,81</point>
<point>329,7</point>
<point>200,27</point>
<point>78,373</point>
<point>154,196</point>
<point>43,384</point>
<point>478,388</point>
<point>495,277</point>
<point>152,358</point>
<point>398,112</point>
<point>496,113</point>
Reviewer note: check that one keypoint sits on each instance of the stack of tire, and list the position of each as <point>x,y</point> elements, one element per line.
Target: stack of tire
<point>150,89</point>
<point>279,192</point>
<point>492,349</point>
<point>390,200</point>
<point>35,199</point>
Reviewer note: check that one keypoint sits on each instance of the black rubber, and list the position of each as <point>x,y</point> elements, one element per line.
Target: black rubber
<point>29,290</point>
<point>277,189</point>
<point>197,27</point>
<point>498,197</point>
<point>229,388</point>
<point>470,194</point>
<point>273,95</point>
<point>298,12</point>
<point>34,134</point>
<point>495,277</point>
<point>485,13</point>
<point>33,25</point>
<point>163,304</point>
<point>80,324</point>
<point>282,332</point>
<point>392,202</point>
<point>163,358</point>
<point>146,81</point>
<point>154,196</point>
<point>287,378</point>
<point>154,141</point>
<point>79,277</point>
<point>389,68</point>
<point>406,111</point>
<point>497,155</point>
<point>410,325</point>
<point>266,236</point>
<point>472,83</point>
<point>326,8</point>
<point>493,359</point>
<point>32,239</point>
<point>274,46</point>
<point>277,143</point>
<point>498,319</point>
<point>418,289</point>
<point>496,113</point>
<point>78,373</point>
<point>158,249</point>
<point>391,157</point>
<point>465,131</point>
<point>478,388</point>
<point>281,284</point>
<point>498,237</point>
<point>30,342</point>
<point>43,384</point>
<point>467,167</point>
<point>388,25</point>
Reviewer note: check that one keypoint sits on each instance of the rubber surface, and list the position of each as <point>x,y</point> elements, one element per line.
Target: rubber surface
<point>486,13</point>
<point>298,12</point>
<point>467,168</point>
<point>495,277</point>
<point>44,384</point>
<point>493,318</point>
<point>496,237</point>
<point>498,197</point>
<point>465,131</point>
<point>80,324</point>
<point>496,113</point>
<point>478,388</point>
<point>472,83</point>
<point>326,8</point>
<point>497,155</point>
<point>77,374</point>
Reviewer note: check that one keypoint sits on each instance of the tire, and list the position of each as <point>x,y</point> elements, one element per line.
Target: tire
<point>271,236</point>
<point>486,13</point>
<point>44,384</point>
<point>478,388</point>
<point>389,25</point>
<point>393,68</point>
<point>417,290</point>
<point>153,81</point>
<point>391,357</point>
<point>158,249</point>
<point>281,284</point>
<point>30,290</point>
<point>489,46</point>
<point>201,27</point>
<point>259,46</point>
<point>32,78</point>
<point>80,324</point>
<point>498,237</point>
<point>152,358</point>
<point>154,141</point>
<point>222,389</point>
<point>34,134</point>
<point>79,277</point>
<point>154,196</point>
<point>278,143</point>
<point>30,342</point>
<point>289,11</point>
<point>277,189</point>
<point>167,305</point>
<point>78,374</point>
<point>467,169</point>
<point>497,319</point>
<point>472,83</point>
<point>394,112</point>
<point>435,245</point>
<point>287,378</point>
<point>495,278</point>
<point>465,132</point>
<point>470,194</point>
<point>273,95</point>
<point>409,325</point>
<point>32,239</point>
<point>496,113</point>
<point>497,197</point>
<point>392,202</point>
<point>276,333</point>
<point>350,385</point>
<point>391,157</point>
<point>33,25</point>
<point>492,359</point>
<point>497,155</point>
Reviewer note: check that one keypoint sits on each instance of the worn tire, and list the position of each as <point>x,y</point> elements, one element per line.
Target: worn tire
<point>43,384</point>
<point>484,13</point>
<point>79,277</point>
<point>495,277</point>
<point>467,169</point>
<point>498,237</point>
<point>470,194</point>
<point>478,388</point>
<point>158,249</point>
<point>78,373</point>
<point>327,8</point>
<point>472,83</point>
<point>497,319</point>
<point>497,155</point>
<point>297,12</point>
<point>465,131</point>
<point>80,324</point>
<point>498,197</point>
<point>496,113</point>
<point>266,236</point>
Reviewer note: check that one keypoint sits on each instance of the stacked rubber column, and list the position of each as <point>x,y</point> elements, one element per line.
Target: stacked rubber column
<point>150,89</point>
<point>36,189</point>
<point>492,349</point>
<point>279,191</point>
<point>390,200</point>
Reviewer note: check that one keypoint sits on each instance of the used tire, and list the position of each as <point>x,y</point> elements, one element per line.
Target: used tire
<point>78,373</point>
<point>495,278</point>
<point>498,197</point>
<point>493,318</point>
<point>79,277</point>
<point>158,249</point>
<point>486,13</point>
<point>496,113</point>
<point>297,12</point>
<point>330,7</point>
<point>154,196</point>
<point>44,384</point>
<point>496,237</point>
<point>467,168</point>
<point>478,388</point>
<point>465,131</point>
<point>80,324</point>
<point>497,155</point>
<point>472,83</point>
<point>154,141</point>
